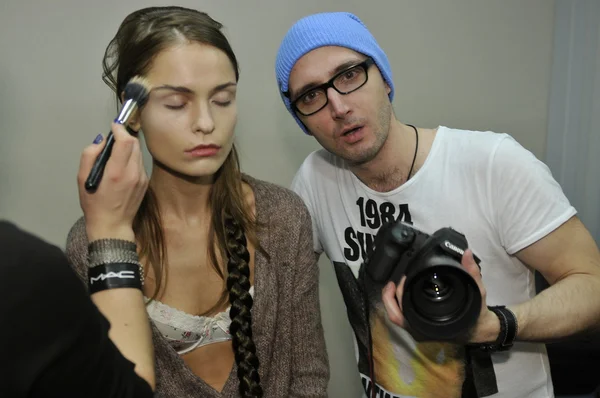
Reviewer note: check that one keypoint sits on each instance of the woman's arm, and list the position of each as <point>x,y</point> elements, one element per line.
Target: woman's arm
<point>125,320</point>
<point>125,310</point>
<point>109,213</point>
<point>311,364</point>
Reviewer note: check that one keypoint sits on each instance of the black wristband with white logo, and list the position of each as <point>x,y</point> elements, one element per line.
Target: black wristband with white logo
<point>113,276</point>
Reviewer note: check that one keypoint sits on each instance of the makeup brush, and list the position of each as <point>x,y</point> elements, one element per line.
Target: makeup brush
<point>135,95</point>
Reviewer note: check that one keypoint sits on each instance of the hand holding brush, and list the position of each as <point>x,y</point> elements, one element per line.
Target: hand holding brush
<point>135,96</point>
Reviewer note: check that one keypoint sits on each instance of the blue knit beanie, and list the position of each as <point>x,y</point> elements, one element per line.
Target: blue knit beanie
<point>326,29</point>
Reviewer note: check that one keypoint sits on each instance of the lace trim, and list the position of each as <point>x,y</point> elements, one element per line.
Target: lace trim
<point>187,325</point>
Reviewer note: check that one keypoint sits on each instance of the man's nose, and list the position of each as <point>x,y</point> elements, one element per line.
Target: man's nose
<point>337,103</point>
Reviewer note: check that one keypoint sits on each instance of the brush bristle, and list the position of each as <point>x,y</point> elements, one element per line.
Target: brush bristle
<point>137,89</point>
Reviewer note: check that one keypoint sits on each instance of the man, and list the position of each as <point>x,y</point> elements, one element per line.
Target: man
<point>337,83</point>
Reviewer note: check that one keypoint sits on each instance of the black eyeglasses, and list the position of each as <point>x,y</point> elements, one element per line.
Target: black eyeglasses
<point>344,82</point>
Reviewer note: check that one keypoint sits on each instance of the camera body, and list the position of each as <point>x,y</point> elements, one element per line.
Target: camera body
<point>441,301</point>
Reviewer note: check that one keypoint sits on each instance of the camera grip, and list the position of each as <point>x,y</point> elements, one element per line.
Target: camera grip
<point>391,242</point>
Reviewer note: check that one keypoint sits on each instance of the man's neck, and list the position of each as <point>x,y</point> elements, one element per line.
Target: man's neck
<point>390,168</point>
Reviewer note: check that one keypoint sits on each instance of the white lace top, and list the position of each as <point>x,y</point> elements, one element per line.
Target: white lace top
<point>186,332</point>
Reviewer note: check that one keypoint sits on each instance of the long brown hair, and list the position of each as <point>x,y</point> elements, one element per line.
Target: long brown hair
<point>141,37</point>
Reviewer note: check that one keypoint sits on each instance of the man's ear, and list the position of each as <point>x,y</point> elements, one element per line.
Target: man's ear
<point>388,89</point>
<point>134,121</point>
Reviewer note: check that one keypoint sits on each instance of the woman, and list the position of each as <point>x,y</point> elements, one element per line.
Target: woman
<point>230,275</point>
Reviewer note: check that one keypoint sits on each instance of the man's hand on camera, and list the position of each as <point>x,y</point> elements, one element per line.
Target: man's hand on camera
<point>487,327</point>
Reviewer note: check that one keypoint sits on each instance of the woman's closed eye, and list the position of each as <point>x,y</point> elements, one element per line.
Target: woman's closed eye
<point>223,99</point>
<point>175,102</point>
<point>175,106</point>
<point>222,103</point>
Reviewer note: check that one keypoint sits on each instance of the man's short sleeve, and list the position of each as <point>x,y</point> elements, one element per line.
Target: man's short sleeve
<point>527,203</point>
<point>301,186</point>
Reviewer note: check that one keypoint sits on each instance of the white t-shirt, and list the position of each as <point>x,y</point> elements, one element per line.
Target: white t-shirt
<point>482,184</point>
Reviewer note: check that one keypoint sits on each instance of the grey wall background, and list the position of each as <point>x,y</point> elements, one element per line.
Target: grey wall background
<point>573,142</point>
<point>475,64</point>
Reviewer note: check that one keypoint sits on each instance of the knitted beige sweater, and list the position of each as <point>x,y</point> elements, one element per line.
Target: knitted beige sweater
<point>286,323</point>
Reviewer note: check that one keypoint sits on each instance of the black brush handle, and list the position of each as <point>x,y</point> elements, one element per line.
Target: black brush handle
<point>95,176</point>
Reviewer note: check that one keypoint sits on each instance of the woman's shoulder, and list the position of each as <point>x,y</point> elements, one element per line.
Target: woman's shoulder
<point>76,246</point>
<point>77,235</point>
<point>273,197</point>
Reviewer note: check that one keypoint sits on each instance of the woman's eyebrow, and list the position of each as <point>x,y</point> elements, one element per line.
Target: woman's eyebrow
<point>187,90</point>
<point>179,89</point>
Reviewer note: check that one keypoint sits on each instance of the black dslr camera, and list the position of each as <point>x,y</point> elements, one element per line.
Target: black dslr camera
<point>441,301</point>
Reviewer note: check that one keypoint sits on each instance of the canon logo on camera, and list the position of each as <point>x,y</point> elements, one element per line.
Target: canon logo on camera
<point>454,248</point>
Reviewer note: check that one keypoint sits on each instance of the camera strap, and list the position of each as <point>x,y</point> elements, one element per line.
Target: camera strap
<point>480,378</point>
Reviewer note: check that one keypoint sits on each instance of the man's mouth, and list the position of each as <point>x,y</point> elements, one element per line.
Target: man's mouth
<point>351,131</point>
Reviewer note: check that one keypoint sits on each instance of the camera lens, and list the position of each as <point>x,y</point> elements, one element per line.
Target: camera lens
<point>439,296</point>
<point>437,288</point>
<point>441,301</point>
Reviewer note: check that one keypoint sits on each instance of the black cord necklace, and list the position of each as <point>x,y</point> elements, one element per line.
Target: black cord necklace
<point>362,276</point>
<point>416,148</point>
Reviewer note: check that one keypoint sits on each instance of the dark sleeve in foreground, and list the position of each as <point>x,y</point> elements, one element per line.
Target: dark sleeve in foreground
<point>53,340</point>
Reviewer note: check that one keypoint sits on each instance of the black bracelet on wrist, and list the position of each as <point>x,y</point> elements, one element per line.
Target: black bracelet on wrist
<point>113,251</point>
<point>114,276</point>
<point>509,328</point>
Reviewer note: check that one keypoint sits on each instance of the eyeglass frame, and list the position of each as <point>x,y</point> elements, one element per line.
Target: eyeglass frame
<point>365,65</point>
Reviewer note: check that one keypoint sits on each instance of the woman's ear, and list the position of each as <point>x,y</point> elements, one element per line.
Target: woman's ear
<point>134,122</point>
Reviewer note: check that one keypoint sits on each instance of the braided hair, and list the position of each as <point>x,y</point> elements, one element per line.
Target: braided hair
<point>238,285</point>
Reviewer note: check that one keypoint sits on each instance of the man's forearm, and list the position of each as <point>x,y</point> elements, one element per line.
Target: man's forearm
<point>570,306</point>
